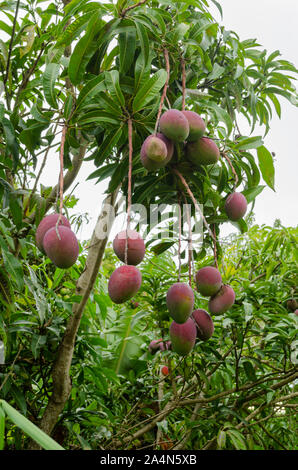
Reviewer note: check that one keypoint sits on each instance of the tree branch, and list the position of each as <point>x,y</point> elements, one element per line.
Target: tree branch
<point>180,402</point>
<point>85,284</point>
<point>183,181</point>
<point>180,445</point>
<point>126,10</point>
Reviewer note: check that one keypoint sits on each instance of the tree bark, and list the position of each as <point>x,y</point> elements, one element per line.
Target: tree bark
<point>85,284</point>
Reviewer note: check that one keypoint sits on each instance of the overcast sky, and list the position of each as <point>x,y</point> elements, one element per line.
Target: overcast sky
<point>275,25</point>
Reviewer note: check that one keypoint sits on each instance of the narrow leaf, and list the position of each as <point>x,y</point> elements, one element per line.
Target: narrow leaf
<point>90,90</point>
<point>144,41</point>
<point>237,439</point>
<point>266,166</point>
<point>11,142</point>
<point>14,268</point>
<point>2,427</point>
<point>149,90</point>
<point>74,29</point>
<point>45,441</point>
<point>110,140</point>
<point>221,439</point>
<point>252,192</point>
<point>113,86</point>
<point>127,47</point>
<point>217,71</point>
<point>49,79</point>
<point>84,50</point>
<point>247,143</point>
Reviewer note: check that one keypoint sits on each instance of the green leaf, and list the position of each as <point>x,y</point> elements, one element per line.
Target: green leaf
<point>269,396</point>
<point>11,142</point>
<point>142,70</point>
<point>251,193</point>
<point>98,117</point>
<point>144,41</point>
<point>49,79</point>
<point>3,52</point>
<point>36,343</point>
<point>68,107</point>
<point>16,209</point>
<point>73,6</point>
<point>241,225</point>
<point>6,28</point>
<point>45,441</point>
<point>2,427</point>
<point>238,72</point>
<point>221,439</point>
<point>127,47</point>
<point>149,90</point>
<point>237,439</point>
<point>221,114</point>
<point>118,175</point>
<point>266,166</point>
<point>84,50</point>
<point>14,268</point>
<point>113,86</point>
<point>74,29</point>
<point>103,172</point>
<point>271,336</point>
<point>161,247</point>
<point>107,103</point>
<point>249,371</point>
<point>93,87</point>
<point>19,398</point>
<point>246,143</point>
<point>276,103</point>
<point>111,139</point>
<point>217,71</point>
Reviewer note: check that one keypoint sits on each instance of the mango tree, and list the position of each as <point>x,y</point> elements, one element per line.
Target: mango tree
<point>92,81</point>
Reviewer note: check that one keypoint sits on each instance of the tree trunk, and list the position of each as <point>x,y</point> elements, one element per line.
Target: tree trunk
<point>85,284</point>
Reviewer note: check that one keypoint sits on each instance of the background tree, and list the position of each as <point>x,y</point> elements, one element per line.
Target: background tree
<point>90,78</point>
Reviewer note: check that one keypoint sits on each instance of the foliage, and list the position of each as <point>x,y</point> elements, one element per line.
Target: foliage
<point>33,431</point>
<point>116,381</point>
<point>93,66</point>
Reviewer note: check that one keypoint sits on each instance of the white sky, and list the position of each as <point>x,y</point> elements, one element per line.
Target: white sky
<point>275,25</point>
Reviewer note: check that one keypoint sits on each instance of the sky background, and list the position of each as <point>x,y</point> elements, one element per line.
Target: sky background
<point>275,25</point>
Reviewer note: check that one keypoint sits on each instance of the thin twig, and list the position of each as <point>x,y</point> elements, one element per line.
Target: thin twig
<point>271,436</point>
<point>27,75</point>
<point>232,168</point>
<point>61,183</point>
<point>214,247</point>
<point>61,179</point>
<point>123,12</point>
<point>181,444</point>
<point>189,240</point>
<point>194,201</point>
<point>39,173</point>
